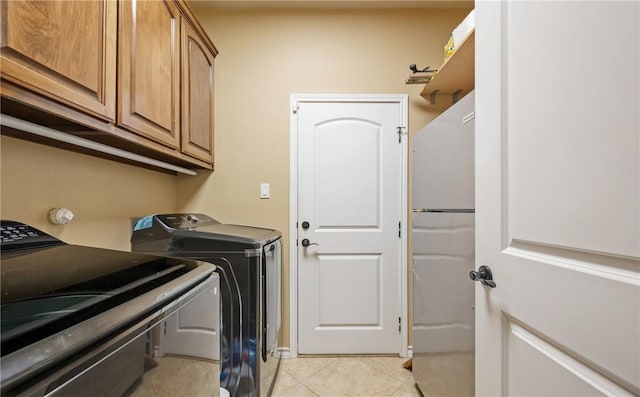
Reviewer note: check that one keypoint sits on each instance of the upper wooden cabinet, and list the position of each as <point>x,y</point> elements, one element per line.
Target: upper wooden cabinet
<point>197,93</point>
<point>149,70</point>
<point>63,50</point>
<point>133,74</point>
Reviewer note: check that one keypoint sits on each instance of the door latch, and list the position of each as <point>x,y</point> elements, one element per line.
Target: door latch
<point>483,275</point>
<point>305,242</point>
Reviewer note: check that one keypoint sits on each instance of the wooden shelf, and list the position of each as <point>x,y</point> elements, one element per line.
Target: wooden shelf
<point>456,76</point>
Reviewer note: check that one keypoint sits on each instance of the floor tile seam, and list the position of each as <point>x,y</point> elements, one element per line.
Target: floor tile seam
<point>377,393</point>
<point>384,370</point>
<point>312,390</point>
<point>293,376</point>
<point>321,385</point>
<point>308,388</point>
<point>291,387</point>
<point>302,379</point>
<point>399,387</point>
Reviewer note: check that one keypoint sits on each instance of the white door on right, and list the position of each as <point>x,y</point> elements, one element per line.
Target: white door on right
<point>558,197</point>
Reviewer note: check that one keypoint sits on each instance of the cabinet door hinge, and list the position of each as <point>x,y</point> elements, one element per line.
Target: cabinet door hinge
<point>399,324</point>
<point>400,229</point>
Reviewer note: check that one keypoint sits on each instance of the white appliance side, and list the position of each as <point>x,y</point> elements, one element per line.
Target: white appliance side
<point>443,297</point>
<point>443,303</point>
<point>444,253</point>
<point>443,159</point>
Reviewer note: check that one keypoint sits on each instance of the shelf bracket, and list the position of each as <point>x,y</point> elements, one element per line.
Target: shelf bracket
<point>455,97</point>
<point>432,96</point>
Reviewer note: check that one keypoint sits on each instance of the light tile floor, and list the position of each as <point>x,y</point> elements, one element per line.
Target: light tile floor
<point>369,376</point>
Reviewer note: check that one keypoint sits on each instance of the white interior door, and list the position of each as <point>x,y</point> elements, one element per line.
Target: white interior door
<point>350,209</point>
<point>558,198</point>
<point>193,331</point>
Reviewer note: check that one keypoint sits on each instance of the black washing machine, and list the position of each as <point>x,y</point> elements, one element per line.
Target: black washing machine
<point>249,261</point>
<point>85,321</point>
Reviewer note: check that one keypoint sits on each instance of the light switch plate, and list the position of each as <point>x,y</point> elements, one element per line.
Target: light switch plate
<point>264,190</point>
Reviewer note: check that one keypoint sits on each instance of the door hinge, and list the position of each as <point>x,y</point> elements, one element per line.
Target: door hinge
<point>399,324</point>
<point>401,131</point>
<point>400,229</point>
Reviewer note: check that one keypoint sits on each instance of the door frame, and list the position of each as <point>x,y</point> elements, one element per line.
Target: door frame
<point>403,100</point>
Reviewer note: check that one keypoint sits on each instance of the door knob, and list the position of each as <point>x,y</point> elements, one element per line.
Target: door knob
<point>483,275</point>
<point>305,242</point>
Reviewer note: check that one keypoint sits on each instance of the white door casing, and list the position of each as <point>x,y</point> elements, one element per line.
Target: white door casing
<point>558,198</point>
<point>351,189</point>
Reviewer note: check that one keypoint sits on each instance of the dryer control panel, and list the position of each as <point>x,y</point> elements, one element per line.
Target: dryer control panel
<point>16,235</point>
<point>186,221</point>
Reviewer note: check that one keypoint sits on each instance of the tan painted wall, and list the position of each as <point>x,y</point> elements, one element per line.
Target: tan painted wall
<point>102,194</point>
<point>267,55</point>
<point>264,57</point>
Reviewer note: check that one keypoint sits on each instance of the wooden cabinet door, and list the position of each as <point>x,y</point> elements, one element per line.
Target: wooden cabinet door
<point>197,94</point>
<point>64,50</point>
<point>149,70</point>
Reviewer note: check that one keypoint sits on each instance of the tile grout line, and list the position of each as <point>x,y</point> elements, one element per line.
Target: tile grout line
<point>314,372</point>
<point>383,365</point>
<point>307,387</point>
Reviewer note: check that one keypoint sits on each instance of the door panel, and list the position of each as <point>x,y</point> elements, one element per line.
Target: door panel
<point>578,143</point>
<point>149,70</point>
<point>197,95</point>
<point>558,199</point>
<point>337,168</point>
<point>342,307</point>
<point>349,160</point>
<point>563,374</point>
<point>64,50</point>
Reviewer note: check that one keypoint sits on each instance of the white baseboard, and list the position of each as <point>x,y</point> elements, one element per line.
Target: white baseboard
<point>285,352</point>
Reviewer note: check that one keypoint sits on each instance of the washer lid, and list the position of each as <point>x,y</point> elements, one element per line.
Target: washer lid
<point>204,227</point>
<point>228,232</point>
<point>47,290</point>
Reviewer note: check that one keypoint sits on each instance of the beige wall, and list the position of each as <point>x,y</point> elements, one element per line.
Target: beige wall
<point>264,57</point>
<point>267,55</point>
<point>102,194</point>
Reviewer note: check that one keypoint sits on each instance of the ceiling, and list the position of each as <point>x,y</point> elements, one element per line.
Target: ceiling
<point>327,4</point>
